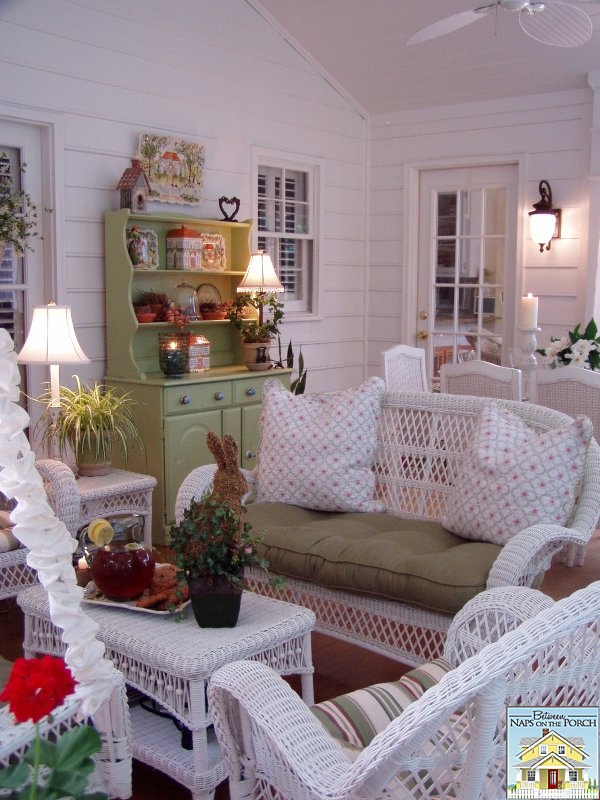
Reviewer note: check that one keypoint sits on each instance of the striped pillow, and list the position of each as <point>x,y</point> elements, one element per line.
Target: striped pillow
<point>356,718</point>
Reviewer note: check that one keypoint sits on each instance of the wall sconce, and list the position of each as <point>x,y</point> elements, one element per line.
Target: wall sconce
<point>544,221</point>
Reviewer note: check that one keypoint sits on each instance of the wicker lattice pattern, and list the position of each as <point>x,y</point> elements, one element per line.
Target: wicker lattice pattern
<point>422,438</point>
<point>15,574</point>
<point>404,369</point>
<point>482,379</point>
<point>449,743</point>
<point>171,662</point>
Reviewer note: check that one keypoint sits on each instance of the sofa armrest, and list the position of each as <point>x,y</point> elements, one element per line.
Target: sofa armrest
<point>488,616</point>
<point>200,482</point>
<point>524,559</point>
<point>61,490</point>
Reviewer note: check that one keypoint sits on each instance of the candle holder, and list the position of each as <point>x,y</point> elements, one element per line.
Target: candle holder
<point>525,359</point>
<point>173,354</point>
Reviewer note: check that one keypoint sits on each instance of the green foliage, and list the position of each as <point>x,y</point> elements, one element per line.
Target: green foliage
<point>298,385</point>
<point>68,760</point>
<point>18,216</point>
<point>91,419</point>
<point>211,540</point>
<point>250,329</point>
<point>578,348</point>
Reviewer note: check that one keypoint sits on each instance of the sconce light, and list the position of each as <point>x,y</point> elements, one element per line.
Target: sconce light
<point>544,221</point>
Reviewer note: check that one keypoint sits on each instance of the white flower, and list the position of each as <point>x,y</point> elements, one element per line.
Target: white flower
<point>556,345</point>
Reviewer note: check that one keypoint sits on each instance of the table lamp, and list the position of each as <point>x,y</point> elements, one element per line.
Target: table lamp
<point>51,340</point>
<point>260,279</point>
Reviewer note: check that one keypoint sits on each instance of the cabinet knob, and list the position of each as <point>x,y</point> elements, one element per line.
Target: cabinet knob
<point>219,396</point>
<point>185,399</point>
<point>250,391</point>
<point>250,454</point>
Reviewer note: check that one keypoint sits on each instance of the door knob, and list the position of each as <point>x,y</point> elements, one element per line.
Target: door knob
<point>422,335</point>
<point>423,315</point>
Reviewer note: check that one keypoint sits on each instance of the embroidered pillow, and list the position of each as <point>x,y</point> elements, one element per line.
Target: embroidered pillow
<point>356,718</point>
<point>512,477</point>
<point>316,451</point>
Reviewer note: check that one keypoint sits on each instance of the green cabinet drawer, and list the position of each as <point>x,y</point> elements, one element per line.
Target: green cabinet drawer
<point>249,390</point>
<point>198,397</point>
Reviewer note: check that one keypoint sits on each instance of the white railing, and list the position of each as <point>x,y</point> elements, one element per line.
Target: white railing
<point>575,790</point>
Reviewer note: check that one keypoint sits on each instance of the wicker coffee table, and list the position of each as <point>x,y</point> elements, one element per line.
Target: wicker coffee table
<point>171,663</point>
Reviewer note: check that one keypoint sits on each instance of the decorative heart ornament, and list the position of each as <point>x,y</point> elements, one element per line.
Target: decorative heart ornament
<point>229,201</point>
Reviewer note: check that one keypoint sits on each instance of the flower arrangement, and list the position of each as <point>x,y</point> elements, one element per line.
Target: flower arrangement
<point>18,216</point>
<point>578,348</point>
<point>49,770</point>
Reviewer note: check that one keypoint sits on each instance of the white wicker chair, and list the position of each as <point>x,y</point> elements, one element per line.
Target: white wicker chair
<point>573,391</point>
<point>449,743</point>
<point>482,379</point>
<point>404,369</point>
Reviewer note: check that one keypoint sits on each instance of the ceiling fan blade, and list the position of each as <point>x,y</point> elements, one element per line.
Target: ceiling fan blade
<point>559,24</point>
<point>444,26</point>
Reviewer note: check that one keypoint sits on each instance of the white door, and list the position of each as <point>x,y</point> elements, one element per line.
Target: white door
<point>23,278</point>
<point>466,287</point>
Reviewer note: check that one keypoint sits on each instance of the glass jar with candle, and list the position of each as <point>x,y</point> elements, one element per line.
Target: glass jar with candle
<point>173,354</point>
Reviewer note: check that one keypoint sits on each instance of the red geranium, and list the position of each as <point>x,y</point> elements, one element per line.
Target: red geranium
<point>37,686</point>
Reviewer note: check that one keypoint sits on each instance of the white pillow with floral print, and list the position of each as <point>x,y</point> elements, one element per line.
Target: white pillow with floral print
<point>512,477</point>
<point>317,450</point>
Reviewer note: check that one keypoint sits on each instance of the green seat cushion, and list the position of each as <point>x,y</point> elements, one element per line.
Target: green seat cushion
<point>372,553</point>
<point>357,717</point>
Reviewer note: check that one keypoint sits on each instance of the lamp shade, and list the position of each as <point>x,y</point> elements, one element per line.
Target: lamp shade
<point>541,226</point>
<point>51,338</point>
<point>260,276</point>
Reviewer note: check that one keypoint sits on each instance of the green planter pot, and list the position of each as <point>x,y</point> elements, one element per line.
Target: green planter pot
<point>215,602</point>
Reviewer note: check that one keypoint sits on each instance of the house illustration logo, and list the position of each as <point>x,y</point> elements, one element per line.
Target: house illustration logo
<point>552,752</point>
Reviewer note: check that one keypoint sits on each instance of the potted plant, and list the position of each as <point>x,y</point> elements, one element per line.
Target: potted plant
<point>257,332</point>
<point>89,421</point>
<point>213,544</point>
<point>212,310</point>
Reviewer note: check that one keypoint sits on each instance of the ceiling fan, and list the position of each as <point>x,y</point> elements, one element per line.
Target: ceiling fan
<point>555,23</point>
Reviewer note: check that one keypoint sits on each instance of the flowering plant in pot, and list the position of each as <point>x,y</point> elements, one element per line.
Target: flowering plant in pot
<point>213,544</point>
<point>49,769</point>
<point>90,420</point>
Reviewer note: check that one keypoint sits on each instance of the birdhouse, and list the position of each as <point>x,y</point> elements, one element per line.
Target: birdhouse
<point>134,187</point>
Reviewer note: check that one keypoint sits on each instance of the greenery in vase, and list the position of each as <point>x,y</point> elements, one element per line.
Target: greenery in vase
<point>90,419</point>
<point>253,330</point>
<point>18,216</point>
<point>578,348</point>
<point>207,542</point>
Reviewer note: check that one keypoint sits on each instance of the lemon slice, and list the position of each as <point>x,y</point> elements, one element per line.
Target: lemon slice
<point>133,546</point>
<point>100,532</point>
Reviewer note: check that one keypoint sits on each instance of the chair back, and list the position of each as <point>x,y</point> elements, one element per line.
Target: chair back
<point>572,390</point>
<point>482,379</point>
<point>404,369</point>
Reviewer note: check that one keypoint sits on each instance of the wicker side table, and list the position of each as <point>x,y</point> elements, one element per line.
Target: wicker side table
<point>77,501</point>
<point>171,662</point>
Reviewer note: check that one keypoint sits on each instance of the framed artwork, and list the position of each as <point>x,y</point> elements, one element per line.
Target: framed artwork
<point>175,168</point>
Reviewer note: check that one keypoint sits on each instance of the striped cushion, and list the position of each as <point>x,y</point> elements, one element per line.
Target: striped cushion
<point>356,718</point>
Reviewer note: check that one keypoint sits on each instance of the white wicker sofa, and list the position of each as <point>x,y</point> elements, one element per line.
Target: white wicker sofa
<point>421,441</point>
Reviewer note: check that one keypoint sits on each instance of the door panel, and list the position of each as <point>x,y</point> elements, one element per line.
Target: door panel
<point>466,293</point>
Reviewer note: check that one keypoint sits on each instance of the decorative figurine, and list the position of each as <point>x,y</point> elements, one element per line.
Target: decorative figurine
<point>229,201</point>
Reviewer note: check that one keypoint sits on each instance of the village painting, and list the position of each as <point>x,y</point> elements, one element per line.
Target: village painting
<point>174,167</point>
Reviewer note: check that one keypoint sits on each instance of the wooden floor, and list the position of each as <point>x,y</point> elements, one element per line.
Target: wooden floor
<point>339,667</point>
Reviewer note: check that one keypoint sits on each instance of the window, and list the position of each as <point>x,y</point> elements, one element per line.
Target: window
<point>530,774</point>
<point>286,199</point>
<point>561,749</point>
<point>543,749</point>
<point>573,775</point>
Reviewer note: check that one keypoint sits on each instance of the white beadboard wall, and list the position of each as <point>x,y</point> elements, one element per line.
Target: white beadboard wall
<point>551,135</point>
<point>213,71</point>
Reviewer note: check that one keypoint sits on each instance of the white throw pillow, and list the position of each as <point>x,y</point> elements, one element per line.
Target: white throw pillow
<point>512,477</point>
<point>317,450</point>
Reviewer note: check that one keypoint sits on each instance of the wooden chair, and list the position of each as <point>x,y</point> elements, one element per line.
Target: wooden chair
<point>404,369</point>
<point>574,391</point>
<point>482,379</point>
<point>451,742</point>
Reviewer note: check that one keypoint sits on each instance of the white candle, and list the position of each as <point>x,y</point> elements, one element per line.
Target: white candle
<point>82,563</point>
<point>529,312</point>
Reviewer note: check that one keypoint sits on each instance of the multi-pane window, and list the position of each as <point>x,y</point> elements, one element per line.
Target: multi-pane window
<point>573,776</point>
<point>286,230</point>
<point>561,749</point>
<point>543,749</point>
<point>530,774</point>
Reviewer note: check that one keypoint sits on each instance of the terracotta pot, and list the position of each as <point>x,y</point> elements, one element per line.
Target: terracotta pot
<point>215,601</point>
<point>88,463</point>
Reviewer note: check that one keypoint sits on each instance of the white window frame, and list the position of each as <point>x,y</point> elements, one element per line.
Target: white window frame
<point>543,749</point>
<point>562,749</point>
<point>308,306</point>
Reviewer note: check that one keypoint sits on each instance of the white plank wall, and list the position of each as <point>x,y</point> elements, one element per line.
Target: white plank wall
<point>551,136</point>
<point>213,71</point>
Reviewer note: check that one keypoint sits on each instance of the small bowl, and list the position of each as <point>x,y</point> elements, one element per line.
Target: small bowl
<point>148,317</point>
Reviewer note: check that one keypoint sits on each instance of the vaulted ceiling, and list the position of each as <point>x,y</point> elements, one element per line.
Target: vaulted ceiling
<point>361,45</point>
